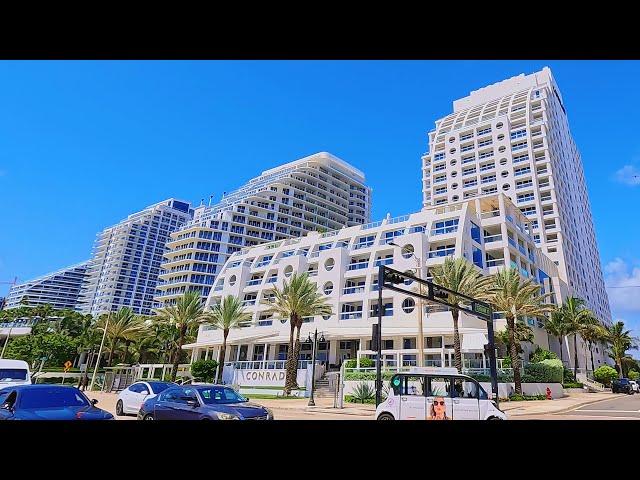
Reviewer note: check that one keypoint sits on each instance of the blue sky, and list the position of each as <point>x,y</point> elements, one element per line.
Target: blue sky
<point>83,144</point>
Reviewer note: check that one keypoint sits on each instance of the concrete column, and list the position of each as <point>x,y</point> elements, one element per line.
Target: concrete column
<point>333,351</point>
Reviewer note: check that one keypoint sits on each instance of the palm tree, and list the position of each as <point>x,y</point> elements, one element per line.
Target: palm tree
<point>460,276</point>
<point>185,316</point>
<point>577,317</point>
<point>620,341</point>
<point>297,299</point>
<point>592,333</point>
<point>122,325</point>
<point>226,315</point>
<point>523,334</point>
<point>555,325</point>
<point>516,298</point>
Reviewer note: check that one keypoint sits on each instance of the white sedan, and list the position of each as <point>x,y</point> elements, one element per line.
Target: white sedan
<point>131,398</point>
<point>634,386</point>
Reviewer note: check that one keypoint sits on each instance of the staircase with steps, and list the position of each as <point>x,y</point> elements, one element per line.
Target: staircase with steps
<point>591,385</point>
<point>323,388</point>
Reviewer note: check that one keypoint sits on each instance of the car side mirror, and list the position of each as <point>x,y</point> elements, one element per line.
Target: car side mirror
<point>191,401</point>
<point>94,401</point>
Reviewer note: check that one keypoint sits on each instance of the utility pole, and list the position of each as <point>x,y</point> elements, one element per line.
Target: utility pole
<point>95,370</point>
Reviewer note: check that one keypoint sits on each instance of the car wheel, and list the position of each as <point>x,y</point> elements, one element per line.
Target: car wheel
<point>494,418</point>
<point>385,416</point>
<point>119,410</point>
<point>148,416</point>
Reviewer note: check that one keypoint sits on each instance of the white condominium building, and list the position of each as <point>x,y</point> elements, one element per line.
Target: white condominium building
<point>490,232</point>
<point>319,192</point>
<point>513,137</point>
<point>59,289</point>
<point>127,256</point>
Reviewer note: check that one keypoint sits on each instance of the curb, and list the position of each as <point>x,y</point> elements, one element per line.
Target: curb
<point>340,411</point>
<point>561,410</point>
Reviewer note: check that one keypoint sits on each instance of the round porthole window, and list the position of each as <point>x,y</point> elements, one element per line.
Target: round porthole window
<point>452,151</point>
<point>232,280</point>
<point>408,305</point>
<point>452,139</point>
<point>408,281</point>
<point>502,149</point>
<point>454,186</point>
<point>506,186</point>
<point>455,198</point>
<point>328,288</point>
<point>503,161</point>
<point>453,162</point>
<point>504,174</point>
<point>288,271</point>
<point>407,251</point>
<point>454,174</point>
<point>328,264</point>
<point>326,317</point>
<point>499,125</point>
<point>501,137</point>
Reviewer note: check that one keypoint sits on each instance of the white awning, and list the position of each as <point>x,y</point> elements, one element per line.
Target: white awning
<point>230,340</point>
<point>473,341</point>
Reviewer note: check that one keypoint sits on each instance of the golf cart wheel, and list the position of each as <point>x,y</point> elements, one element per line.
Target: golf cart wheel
<point>494,418</point>
<point>148,417</point>
<point>385,416</point>
<point>119,410</point>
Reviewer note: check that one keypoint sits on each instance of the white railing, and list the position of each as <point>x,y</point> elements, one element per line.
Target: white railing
<point>265,364</point>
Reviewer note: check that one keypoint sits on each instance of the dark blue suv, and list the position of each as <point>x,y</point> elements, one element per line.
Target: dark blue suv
<point>202,402</point>
<point>622,385</point>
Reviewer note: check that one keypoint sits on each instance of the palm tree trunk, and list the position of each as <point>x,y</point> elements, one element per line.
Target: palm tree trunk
<point>515,359</point>
<point>176,358</point>
<point>560,343</point>
<point>295,357</point>
<point>223,353</point>
<point>111,353</point>
<point>288,382</point>
<point>593,368</point>
<point>126,350</point>
<point>457,349</point>
<point>575,356</point>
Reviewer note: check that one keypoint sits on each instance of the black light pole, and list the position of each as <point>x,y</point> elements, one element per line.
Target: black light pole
<point>379,362</point>
<point>312,403</point>
<point>493,367</point>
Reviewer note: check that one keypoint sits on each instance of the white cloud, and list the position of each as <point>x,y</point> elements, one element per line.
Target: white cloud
<point>629,175</point>
<point>619,274</point>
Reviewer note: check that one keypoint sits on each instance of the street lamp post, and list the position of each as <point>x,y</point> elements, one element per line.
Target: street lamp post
<point>95,370</point>
<point>312,402</point>
<point>420,331</point>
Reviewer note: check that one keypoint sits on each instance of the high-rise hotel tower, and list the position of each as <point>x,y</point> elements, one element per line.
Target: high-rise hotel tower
<point>317,193</point>
<point>513,137</point>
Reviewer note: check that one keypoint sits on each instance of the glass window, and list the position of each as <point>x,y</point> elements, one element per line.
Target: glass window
<point>220,395</point>
<point>465,388</point>
<point>12,374</point>
<point>52,398</point>
<point>170,395</point>
<point>439,387</point>
<point>137,387</point>
<point>414,385</point>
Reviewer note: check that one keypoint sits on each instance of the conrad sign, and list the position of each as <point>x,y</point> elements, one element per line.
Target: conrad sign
<point>271,378</point>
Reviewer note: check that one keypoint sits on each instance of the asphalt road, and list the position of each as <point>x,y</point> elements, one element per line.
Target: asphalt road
<point>624,407</point>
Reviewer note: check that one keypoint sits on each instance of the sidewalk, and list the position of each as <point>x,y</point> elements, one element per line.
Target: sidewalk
<point>547,407</point>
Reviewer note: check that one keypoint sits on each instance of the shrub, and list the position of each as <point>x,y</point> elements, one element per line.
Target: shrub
<point>572,385</point>
<point>204,370</point>
<point>633,375</point>
<point>364,363</point>
<point>506,362</point>
<point>367,375</point>
<point>605,374</point>
<point>363,392</point>
<point>541,354</point>
<point>514,397</point>
<point>568,375</point>
<point>546,371</point>
<point>352,399</point>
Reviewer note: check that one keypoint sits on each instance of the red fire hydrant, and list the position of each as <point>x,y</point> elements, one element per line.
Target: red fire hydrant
<point>548,393</point>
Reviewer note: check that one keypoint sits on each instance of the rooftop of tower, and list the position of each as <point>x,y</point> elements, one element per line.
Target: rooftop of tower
<point>504,87</point>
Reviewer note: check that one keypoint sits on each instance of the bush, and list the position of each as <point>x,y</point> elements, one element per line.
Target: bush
<point>352,399</point>
<point>514,397</point>
<point>541,354</point>
<point>364,363</point>
<point>204,370</point>
<point>633,375</point>
<point>367,375</point>
<point>572,385</point>
<point>363,392</point>
<point>605,374</point>
<point>568,375</point>
<point>546,371</point>
<point>506,362</point>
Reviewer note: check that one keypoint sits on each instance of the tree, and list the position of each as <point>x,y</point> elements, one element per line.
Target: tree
<point>460,276</point>
<point>592,333</point>
<point>620,340</point>
<point>555,325</point>
<point>577,318</point>
<point>297,299</point>
<point>204,369</point>
<point>226,315</point>
<point>516,297</point>
<point>122,325</point>
<point>185,317</point>
<point>523,334</point>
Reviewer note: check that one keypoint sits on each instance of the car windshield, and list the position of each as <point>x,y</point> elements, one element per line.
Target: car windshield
<point>52,398</point>
<point>12,374</point>
<point>220,395</point>
<point>158,387</point>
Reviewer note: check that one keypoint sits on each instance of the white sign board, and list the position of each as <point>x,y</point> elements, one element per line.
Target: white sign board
<point>266,377</point>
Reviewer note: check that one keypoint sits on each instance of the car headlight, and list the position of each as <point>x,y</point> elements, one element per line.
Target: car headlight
<point>269,412</point>
<point>227,416</point>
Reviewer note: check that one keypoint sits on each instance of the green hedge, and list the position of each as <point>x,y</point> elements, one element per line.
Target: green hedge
<point>364,363</point>
<point>605,375</point>
<point>352,399</point>
<point>572,385</point>
<point>367,375</point>
<point>547,371</point>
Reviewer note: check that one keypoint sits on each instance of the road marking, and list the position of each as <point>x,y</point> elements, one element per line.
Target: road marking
<point>609,411</point>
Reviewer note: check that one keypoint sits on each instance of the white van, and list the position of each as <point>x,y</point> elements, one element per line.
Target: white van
<point>437,394</point>
<point>14,372</point>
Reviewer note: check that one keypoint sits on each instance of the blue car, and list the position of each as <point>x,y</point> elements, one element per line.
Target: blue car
<point>202,402</point>
<point>48,402</point>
